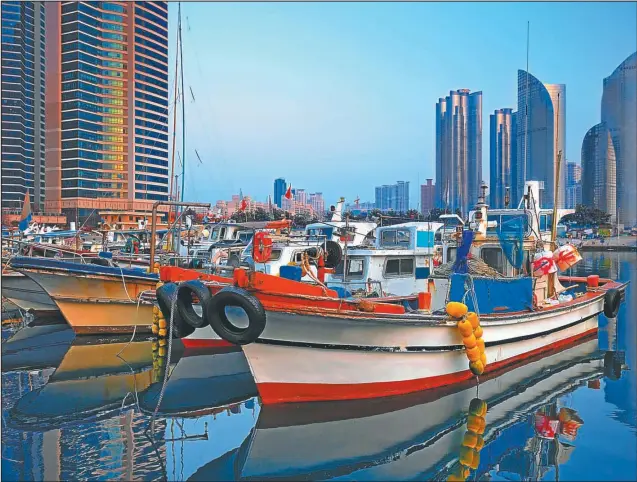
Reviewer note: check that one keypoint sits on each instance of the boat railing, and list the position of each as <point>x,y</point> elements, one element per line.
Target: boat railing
<point>44,248</point>
<point>359,287</point>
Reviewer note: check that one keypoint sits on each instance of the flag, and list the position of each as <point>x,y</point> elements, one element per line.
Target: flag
<point>25,219</point>
<point>288,193</point>
<point>244,205</point>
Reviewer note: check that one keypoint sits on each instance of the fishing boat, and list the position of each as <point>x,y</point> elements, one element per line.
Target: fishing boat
<point>413,437</point>
<point>306,342</point>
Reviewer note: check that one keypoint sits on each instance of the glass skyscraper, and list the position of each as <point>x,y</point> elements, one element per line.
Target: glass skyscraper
<point>599,170</point>
<point>502,157</point>
<point>23,103</point>
<point>619,115</point>
<point>107,107</point>
<point>393,197</point>
<point>540,136</point>
<point>280,187</point>
<point>459,150</point>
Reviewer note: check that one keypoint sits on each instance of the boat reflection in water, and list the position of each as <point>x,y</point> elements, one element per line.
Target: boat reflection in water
<point>417,436</point>
<point>93,414</point>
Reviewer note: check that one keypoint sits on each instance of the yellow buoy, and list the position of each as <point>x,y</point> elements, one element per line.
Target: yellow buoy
<point>469,341</point>
<point>465,328</point>
<point>456,310</point>
<point>162,351</point>
<point>476,367</point>
<point>470,439</point>
<point>162,342</point>
<point>480,344</point>
<point>478,332</point>
<point>479,442</point>
<point>466,456</point>
<point>162,324</point>
<point>154,328</point>
<point>478,407</point>
<point>162,332</point>
<point>483,359</point>
<point>472,317</point>
<point>473,354</point>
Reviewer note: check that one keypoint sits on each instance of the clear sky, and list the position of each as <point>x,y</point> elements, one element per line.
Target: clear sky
<point>340,97</point>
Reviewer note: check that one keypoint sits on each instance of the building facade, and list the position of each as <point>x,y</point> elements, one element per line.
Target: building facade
<point>317,202</point>
<point>427,196</point>
<point>459,149</point>
<point>541,126</point>
<point>394,197</point>
<point>619,115</point>
<point>107,107</point>
<point>599,169</point>
<point>280,186</point>
<point>502,158</point>
<point>23,103</point>
<point>573,173</point>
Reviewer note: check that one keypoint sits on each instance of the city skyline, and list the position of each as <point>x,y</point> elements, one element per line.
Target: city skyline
<point>347,95</point>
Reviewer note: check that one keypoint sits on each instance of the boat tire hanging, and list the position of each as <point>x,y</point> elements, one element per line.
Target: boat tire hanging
<point>612,300</point>
<point>165,295</point>
<point>185,307</point>
<point>218,319</point>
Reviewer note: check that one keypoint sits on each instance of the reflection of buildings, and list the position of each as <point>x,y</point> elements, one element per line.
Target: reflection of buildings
<point>539,132</point>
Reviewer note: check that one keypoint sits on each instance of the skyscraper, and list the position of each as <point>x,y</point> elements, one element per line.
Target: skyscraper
<point>280,187</point>
<point>502,156</point>
<point>23,70</point>
<point>573,173</point>
<point>318,203</point>
<point>541,134</point>
<point>107,107</point>
<point>619,114</point>
<point>599,179</point>
<point>459,149</point>
<point>393,197</point>
<point>427,197</point>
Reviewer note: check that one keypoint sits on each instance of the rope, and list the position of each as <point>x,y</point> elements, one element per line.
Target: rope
<point>173,302</point>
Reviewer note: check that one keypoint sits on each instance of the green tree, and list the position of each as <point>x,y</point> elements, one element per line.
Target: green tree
<point>586,216</point>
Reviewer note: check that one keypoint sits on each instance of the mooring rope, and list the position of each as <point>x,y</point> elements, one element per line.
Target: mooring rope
<point>173,302</point>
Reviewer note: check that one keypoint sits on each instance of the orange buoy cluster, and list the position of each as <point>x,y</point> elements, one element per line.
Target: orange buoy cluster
<point>471,331</point>
<point>472,441</point>
<point>159,358</point>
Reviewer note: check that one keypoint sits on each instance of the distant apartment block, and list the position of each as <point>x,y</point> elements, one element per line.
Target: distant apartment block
<point>394,197</point>
<point>458,150</point>
<point>427,196</point>
<point>106,107</point>
<point>23,103</point>
<point>599,170</point>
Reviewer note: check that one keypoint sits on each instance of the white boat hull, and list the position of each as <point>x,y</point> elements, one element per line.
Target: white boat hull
<point>314,357</point>
<point>26,294</point>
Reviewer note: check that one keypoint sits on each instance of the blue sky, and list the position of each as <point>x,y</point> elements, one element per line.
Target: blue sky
<point>340,97</point>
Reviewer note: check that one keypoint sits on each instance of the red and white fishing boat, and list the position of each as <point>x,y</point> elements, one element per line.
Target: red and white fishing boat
<point>305,343</point>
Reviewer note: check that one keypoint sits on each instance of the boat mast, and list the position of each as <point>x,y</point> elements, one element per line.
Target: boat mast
<point>526,107</point>
<point>183,109</point>
<point>552,276</point>
<point>172,162</point>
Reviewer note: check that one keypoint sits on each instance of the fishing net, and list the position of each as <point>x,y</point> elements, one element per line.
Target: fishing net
<point>511,236</point>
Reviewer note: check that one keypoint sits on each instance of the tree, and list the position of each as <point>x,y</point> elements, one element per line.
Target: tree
<point>301,220</point>
<point>261,214</point>
<point>586,216</point>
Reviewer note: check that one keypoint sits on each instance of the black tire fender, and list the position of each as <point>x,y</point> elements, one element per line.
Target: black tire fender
<point>165,295</point>
<point>184,302</point>
<point>612,300</point>
<point>233,296</point>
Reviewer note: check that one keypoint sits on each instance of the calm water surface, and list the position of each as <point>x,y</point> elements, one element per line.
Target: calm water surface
<point>80,408</point>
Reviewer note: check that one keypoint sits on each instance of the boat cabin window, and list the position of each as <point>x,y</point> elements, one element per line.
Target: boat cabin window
<point>245,237</point>
<point>395,237</point>
<point>451,254</point>
<point>276,255</point>
<point>355,268</point>
<point>546,221</point>
<point>399,267</point>
<point>494,258</point>
<point>320,232</point>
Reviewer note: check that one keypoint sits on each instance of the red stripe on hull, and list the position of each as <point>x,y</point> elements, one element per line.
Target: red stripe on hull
<point>207,343</point>
<point>272,393</point>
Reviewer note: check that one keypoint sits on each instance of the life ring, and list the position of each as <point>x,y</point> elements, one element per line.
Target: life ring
<point>184,302</point>
<point>262,247</point>
<point>165,295</point>
<point>612,300</point>
<point>218,319</point>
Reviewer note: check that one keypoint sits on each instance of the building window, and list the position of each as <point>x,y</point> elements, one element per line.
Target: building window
<point>395,267</point>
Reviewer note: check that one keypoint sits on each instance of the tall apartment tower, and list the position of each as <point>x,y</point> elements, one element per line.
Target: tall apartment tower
<point>427,197</point>
<point>502,160</point>
<point>459,150</point>
<point>106,107</point>
<point>619,115</point>
<point>541,133</point>
<point>280,186</point>
<point>23,70</point>
<point>599,170</point>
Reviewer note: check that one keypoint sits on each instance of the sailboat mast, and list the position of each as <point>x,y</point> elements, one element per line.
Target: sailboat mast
<point>557,177</point>
<point>526,107</point>
<point>183,110</point>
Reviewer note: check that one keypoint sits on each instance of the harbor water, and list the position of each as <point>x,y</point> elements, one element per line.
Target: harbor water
<point>99,408</point>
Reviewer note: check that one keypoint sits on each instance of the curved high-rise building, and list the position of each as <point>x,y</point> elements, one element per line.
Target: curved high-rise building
<point>541,136</point>
<point>599,170</point>
<point>502,156</point>
<point>459,150</point>
<point>619,115</point>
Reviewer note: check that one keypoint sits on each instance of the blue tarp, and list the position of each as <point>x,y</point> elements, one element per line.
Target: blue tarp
<point>494,295</point>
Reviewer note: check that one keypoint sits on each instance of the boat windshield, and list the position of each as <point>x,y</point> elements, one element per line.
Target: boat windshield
<point>355,268</point>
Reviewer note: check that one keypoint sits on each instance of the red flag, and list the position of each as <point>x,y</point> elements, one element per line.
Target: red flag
<point>288,193</point>
<point>244,205</point>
